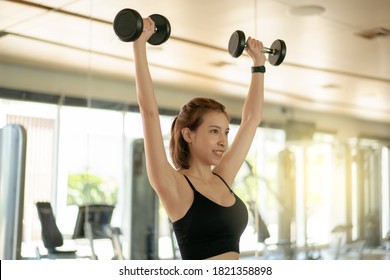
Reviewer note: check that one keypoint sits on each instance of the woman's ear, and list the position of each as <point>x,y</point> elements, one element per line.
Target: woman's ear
<point>187,134</point>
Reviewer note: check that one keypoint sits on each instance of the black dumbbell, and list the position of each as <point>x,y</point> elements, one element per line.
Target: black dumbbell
<point>276,53</point>
<point>128,26</point>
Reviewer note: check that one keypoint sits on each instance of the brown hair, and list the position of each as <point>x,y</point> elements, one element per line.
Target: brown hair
<point>191,116</point>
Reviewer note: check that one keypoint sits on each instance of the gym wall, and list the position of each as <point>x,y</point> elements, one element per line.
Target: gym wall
<point>85,85</point>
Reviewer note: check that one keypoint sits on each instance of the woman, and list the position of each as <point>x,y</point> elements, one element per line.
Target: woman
<point>207,217</point>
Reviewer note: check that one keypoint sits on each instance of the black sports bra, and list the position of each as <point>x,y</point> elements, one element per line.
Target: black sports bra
<point>209,229</point>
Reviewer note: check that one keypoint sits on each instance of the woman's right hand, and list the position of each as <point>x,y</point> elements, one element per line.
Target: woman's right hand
<point>147,32</point>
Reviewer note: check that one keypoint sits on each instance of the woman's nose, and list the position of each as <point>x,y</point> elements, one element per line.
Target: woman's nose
<point>222,141</point>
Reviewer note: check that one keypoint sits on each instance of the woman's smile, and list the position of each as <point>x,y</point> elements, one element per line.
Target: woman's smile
<point>219,153</point>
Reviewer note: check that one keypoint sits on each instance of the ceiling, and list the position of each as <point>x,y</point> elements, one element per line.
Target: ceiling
<point>328,67</point>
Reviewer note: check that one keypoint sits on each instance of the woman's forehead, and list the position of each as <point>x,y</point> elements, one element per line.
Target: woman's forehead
<point>216,118</point>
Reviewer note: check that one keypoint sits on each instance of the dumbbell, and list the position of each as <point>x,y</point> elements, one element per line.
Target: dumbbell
<point>128,26</point>
<point>276,53</point>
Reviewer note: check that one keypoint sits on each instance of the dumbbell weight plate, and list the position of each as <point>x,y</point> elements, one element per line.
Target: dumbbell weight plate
<point>237,43</point>
<point>163,30</point>
<point>280,47</point>
<point>128,25</point>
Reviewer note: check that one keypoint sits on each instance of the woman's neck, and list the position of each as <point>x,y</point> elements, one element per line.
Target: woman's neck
<point>203,173</point>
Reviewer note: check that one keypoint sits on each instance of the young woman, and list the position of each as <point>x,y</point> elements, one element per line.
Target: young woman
<point>207,217</point>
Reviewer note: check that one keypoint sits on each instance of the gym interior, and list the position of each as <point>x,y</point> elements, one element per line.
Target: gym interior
<point>316,181</point>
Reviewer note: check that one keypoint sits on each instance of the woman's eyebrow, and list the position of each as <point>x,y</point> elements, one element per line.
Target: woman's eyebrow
<point>219,127</point>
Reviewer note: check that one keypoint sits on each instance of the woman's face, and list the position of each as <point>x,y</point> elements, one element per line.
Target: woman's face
<point>209,141</point>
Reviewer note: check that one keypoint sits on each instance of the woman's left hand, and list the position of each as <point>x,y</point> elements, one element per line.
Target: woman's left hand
<point>254,48</point>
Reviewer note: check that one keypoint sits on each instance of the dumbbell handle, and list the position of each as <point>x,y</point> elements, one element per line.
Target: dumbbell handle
<point>269,50</point>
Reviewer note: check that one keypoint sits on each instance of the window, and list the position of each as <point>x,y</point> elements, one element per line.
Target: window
<point>257,185</point>
<point>90,169</point>
<point>301,189</point>
<point>39,120</point>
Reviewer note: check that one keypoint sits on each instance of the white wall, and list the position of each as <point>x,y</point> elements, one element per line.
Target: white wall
<point>106,88</point>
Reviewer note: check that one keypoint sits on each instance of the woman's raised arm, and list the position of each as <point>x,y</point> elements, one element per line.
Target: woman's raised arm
<point>250,119</point>
<point>160,172</point>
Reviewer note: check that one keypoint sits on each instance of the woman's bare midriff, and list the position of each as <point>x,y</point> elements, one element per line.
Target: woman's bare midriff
<point>226,256</point>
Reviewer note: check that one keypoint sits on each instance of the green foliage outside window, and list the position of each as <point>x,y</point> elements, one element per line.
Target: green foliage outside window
<point>86,189</point>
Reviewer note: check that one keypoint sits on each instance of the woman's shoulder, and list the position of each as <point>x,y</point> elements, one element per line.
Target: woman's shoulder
<point>226,175</point>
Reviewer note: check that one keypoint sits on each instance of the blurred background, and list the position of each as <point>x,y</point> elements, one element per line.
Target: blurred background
<point>317,178</point>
